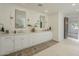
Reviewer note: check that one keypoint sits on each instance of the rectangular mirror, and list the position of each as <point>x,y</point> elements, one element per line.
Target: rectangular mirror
<point>20,19</point>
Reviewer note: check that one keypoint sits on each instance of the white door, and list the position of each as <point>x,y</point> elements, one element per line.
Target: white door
<point>6,45</point>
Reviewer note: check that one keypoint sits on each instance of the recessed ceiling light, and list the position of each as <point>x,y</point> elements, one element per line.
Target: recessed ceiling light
<point>73,4</point>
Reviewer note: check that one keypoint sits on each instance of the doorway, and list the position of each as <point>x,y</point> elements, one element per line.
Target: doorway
<point>71,28</point>
<point>65,27</point>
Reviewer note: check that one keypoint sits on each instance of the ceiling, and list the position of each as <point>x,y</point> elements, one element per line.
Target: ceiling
<point>50,8</point>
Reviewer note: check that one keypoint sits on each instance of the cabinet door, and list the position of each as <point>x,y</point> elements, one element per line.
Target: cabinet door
<point>47,36</point>
<point>38,38</point>
<point>26,41</point>
<point>18,43</point>
<point>6,45</point>
<point>32,40</point>
<point>35,39</point>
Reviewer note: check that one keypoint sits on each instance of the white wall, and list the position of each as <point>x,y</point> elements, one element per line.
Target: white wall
<point>61,26</point>
<point>53,21</point>
<point>57,23</point>
<point>8,10</point>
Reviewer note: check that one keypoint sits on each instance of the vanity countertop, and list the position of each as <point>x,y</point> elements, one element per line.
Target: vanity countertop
<point>27,33</point>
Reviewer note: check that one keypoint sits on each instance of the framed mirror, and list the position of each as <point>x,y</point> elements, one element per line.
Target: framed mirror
<point>20,19</point>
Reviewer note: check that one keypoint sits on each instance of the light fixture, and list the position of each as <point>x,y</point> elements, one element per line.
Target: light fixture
<point>73,4</point>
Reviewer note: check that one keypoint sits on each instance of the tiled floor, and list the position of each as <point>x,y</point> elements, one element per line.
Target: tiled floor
<point>34,49</point>
<point>67,47</point>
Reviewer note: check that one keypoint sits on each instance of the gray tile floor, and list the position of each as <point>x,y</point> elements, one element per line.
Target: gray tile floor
<point>67,47</point>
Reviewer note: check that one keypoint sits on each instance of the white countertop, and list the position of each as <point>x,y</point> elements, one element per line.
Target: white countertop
<point>13,34</point>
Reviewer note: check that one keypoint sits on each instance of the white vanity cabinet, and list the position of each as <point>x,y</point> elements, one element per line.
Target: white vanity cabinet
<point>6,45</point>
<point>33,39</point>
<point>36,38</point>
<point>46,36</point>
<point>21,42</point>
<point>18,43</point>
<point>26,41</point>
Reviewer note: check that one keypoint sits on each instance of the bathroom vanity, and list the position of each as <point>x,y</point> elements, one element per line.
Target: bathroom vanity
<point>10,43</point>
<point>23,31</point>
